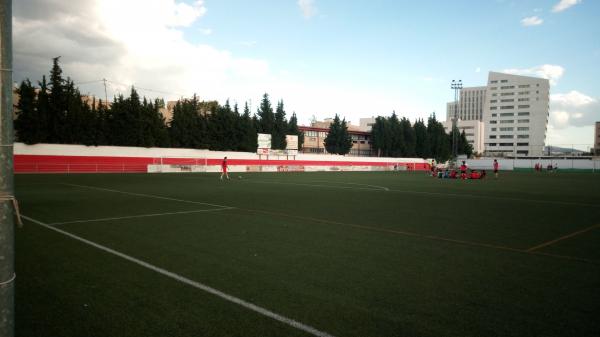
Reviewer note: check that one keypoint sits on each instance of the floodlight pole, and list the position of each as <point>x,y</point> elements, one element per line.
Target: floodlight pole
<point>7,229</point>
<point>456,86</point>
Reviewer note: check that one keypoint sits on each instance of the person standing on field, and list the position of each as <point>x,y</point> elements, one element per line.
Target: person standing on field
<point>496,165</point>
<point>224,169</point>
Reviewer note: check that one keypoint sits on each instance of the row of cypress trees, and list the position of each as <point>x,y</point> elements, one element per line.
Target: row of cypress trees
<point>393,137</point>
<point>55,113</point>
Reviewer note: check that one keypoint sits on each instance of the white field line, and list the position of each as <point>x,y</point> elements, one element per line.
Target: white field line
<point>147,195</point>
<point>139,216</point>
<point>317,185</point>
<point>198,285</point>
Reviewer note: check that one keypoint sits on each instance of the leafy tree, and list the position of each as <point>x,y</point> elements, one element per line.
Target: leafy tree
<point>338,140</point>
<point>465,147</point>
<point>187,128</point>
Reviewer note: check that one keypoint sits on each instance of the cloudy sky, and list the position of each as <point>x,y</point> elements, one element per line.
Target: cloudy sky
<point>322,57</point>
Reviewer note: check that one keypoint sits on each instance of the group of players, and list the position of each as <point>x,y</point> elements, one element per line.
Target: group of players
<point>465,172</point>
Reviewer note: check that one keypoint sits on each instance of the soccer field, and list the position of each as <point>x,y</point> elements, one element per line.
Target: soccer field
<point>308,254</point>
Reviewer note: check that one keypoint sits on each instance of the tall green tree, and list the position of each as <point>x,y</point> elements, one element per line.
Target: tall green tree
<point>30,126</point>
<point>280,128</point>
<point>378,136</point>
<point>248,139</point>
<point>338,140</point>
<point>58,102</point>
<point>294,130</point>
<point>422,148</point>
<point>410,138</point>
<point>266,116</point>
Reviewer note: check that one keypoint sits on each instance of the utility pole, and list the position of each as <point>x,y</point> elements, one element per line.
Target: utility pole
<point>105,94</point>
<point>7,199</point>
<point>456,86</point>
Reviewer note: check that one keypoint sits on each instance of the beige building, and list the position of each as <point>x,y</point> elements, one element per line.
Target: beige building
<point>314,138</point>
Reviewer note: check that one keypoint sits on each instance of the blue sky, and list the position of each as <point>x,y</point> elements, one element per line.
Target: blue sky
<point>354,58</point>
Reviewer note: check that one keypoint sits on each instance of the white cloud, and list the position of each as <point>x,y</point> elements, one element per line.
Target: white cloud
<point>564,4</point>
<point>308,8</point>
<point>532,21</point>
<point>548,71</point>
<point>101,39</point>
<point>573,109</point>
<point>205,31</point>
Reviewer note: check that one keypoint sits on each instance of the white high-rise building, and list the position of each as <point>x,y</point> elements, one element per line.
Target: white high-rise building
<point>515,114</point>
<point>514,110</point>
<point>470,114</point>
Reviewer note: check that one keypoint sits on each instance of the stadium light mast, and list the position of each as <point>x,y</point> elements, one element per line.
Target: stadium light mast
<point>456,86</point>
<point>7,199</point>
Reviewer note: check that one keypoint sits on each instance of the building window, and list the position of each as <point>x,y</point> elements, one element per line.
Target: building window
<point>495,81</point>
<point>506,144</point>
<point>523,99</point>
<point>492,136</point>
<point>524,86</point>
<point>493,129</point>
<point>507,107</point>
<point>493,122</point>
<point>509,121</point>
<point>506,129</point>
<point>507,94</point>
<point>524,114</point>
<point>508,87</point>
<point>522,144</point>
<point>523,136</point>
<point>507,114</point>
<point>494,101</point>
<point>523,129</point>
<point>494,95</point>
<point>523,106</point>
<point>523,92</point>
<point>503,81</point>
<point>506,136</point>
<point>493,108</point>
<point>507,100</point>
<point>492,144</point>
<point>494,115</point>
<point>521,121</point>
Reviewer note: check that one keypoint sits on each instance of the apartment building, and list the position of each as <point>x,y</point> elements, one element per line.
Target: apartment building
<point>515,114</point>
<point>470,115</point>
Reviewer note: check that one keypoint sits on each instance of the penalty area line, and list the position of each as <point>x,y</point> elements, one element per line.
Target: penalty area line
<point>250,306</point>
<point>139,216</point>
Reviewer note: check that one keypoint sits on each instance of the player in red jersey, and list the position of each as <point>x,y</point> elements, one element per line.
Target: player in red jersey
<point>224,169</point>
<point>496,165</point>
<point>463,170</point>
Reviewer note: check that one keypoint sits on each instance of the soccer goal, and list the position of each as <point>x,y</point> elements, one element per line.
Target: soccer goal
<point>178,165</point>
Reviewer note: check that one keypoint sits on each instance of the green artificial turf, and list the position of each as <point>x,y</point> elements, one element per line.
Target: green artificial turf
<point>350,254</point>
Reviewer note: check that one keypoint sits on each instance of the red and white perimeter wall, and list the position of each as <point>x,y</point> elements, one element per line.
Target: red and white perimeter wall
<point>54,158</point>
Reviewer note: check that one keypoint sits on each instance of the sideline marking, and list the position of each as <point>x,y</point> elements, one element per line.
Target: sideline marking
<point>139,216</point>
<point>357,184</point>
<point>551,242</point>
<point>198,285</point>
<point>146,195</point>
<point>425,236</point>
